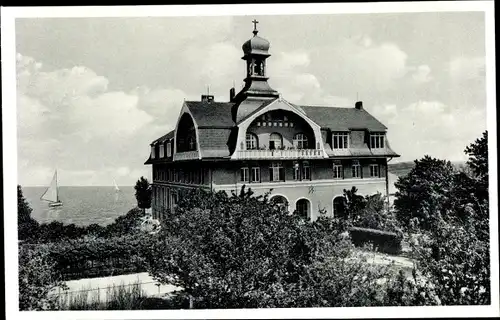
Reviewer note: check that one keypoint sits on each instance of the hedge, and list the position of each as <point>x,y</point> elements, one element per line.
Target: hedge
<point>383,241</point>
<point>97,257</point>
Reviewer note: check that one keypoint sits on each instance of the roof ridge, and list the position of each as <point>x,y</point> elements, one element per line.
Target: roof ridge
<point>311,106</point>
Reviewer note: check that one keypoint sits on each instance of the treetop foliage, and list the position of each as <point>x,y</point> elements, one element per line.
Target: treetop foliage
<point>143,193</point>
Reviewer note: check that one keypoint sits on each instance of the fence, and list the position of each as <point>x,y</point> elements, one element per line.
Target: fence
<point>99,268</point>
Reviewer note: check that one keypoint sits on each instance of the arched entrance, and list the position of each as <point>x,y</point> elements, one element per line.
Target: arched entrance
<point>303,208</point>
<point>279,201</point>
<point>339,207</point>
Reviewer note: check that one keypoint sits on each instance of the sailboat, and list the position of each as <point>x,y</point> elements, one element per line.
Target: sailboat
<point>116,186</point>
<point>51,195</point>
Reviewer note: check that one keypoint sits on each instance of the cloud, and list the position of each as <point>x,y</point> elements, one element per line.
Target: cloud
<point>289,75</point>
<point>431,127</point>
<point>163,105</point>
<point>360,64</point>
<point>422,74</point>
<point>67,119</point>
<point>466,68</point>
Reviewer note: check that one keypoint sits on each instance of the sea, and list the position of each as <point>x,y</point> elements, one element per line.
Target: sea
<point>82,205</point>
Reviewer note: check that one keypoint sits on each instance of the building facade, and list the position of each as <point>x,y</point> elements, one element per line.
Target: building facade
<point>304,155</point>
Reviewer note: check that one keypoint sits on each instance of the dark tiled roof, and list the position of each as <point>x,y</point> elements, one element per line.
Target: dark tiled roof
<point>211,114</point>
<point>214,142</point>
<point>164,138</point>
<point>343,119</point>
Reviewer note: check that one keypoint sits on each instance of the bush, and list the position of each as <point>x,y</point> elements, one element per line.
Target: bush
<point>56,231</point>
<point>94,257</point>
<point>37,277</point>
<point>383,241</point>
<point>243,252</point>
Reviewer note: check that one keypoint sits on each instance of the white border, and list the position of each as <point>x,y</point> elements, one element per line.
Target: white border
<point>10,153</point>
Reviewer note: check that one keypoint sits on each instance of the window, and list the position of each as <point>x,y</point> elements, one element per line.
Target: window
<point>251,141</point>
<point>255,174</point>
<point>339,207</point>
<point>296,170</point>
<point>306,171</point>
<point>338,171</point>
<point>300,141</point>
<point>280,202</point>
<point>244,174</point>
<point>162,150</point>
<point>276,172</point>
<point>275,141</point>
<point>377,140</point>
<point>258,68</point>
<point>356,169</point>
<point>340,140</point>
<point>153,153</point>
<point>169,149</point>
<point>302,208</point>
<point>375,170</point>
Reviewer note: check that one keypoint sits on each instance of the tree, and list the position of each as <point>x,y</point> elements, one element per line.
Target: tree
<point>244,252</point>
<point>422,192</point>
<point>453,254</point>
<point>143,193</point>
<point>27,226</point>
<point>478,156</point>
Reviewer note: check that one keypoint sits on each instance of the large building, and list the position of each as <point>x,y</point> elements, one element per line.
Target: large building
<point>307,155</point>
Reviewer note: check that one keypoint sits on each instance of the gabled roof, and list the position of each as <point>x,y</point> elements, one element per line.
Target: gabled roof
<point>343,119</point>
<point>211,114</point>
<point>217,129</point>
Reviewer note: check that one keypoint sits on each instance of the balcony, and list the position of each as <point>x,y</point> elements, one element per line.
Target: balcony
<point>280,154</point>
<point>187,155</point>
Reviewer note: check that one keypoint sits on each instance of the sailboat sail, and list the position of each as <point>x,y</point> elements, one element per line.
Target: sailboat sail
<point>51,194</point>
<point>116,186</point>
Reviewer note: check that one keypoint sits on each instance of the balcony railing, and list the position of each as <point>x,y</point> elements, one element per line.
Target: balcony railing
<point>187,155</point>
<point>280,154</point>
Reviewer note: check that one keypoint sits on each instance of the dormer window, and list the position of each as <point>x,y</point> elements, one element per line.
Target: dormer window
<point>169,149</point>
<point>377,140</point>
<point>153,153</point>
<point>162,150</point>
<point>340,140</point>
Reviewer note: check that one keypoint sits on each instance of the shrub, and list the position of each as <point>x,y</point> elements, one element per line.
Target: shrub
<point>56,231</point>
<point>37,278</point>
<point>94,256</point>
<point>243,252</point>
<point>383,241</point>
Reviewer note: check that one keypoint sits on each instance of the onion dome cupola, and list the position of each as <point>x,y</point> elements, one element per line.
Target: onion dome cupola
<point>256,51</point>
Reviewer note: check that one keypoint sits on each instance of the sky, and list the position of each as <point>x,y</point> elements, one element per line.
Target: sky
<point>92,93</point>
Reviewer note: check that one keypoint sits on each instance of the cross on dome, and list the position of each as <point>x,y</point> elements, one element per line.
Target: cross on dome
<point>255,31</point>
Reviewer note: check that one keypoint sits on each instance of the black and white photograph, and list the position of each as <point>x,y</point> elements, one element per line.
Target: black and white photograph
<point>331,160</point>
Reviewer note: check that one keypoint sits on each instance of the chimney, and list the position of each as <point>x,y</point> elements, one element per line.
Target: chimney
<point>232,93</point>
<point>359,105</point>
<point>207,98</point>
